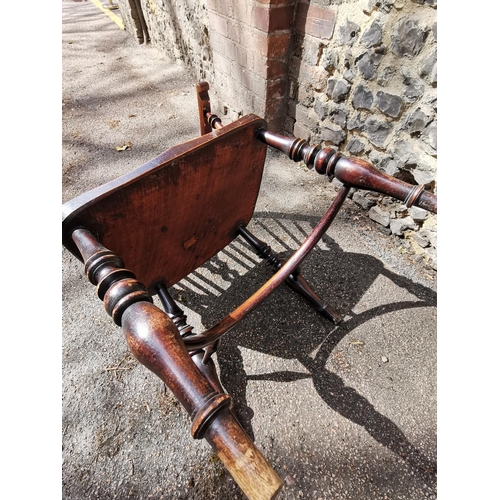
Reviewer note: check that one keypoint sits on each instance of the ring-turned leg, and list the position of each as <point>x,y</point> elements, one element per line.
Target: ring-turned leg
<point>155,341</point>
<point>295,281</point>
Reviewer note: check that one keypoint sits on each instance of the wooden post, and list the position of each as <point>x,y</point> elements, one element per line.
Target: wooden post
<point>203,107</point>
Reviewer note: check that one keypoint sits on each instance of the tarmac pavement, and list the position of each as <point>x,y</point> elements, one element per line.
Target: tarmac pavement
<point>344,412</point>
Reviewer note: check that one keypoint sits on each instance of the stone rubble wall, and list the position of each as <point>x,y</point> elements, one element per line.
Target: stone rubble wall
<point>359,75</point>
<point>180,29</point>
<point>371,90</point>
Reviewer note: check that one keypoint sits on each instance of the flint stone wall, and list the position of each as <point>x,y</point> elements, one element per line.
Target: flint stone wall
<point>179,29</point>
<point>359,75</point>
<point>371,91</point>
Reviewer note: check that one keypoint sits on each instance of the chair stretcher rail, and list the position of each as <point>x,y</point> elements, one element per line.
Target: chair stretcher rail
<point>196,342</point>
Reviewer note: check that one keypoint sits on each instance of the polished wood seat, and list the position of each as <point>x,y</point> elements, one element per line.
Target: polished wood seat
<point>171,215</point>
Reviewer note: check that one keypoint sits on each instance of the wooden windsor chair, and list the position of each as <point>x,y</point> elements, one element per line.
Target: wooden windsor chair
<point>142,233</point>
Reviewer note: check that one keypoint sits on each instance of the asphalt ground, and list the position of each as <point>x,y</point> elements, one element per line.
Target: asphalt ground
<point>346,412</point>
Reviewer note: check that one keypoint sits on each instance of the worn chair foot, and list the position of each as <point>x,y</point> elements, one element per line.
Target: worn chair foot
<point>295,281</point>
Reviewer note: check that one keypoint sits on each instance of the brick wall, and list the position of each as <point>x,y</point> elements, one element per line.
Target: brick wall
<point>251,43</point>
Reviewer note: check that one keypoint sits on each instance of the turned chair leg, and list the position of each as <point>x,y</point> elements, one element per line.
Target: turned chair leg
<point>295,281</point>
<point>154,340</point>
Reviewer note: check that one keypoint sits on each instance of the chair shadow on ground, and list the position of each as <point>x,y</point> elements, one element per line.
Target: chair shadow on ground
<point>301,330</point>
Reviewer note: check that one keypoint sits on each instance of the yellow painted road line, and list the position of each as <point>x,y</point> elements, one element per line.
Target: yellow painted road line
<point>110,14</point>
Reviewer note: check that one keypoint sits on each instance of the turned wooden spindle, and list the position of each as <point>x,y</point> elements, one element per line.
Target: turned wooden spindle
<point>350,171</point>
<point>155,341</point>
<point>322,159</point>
<point>175,313</point>
<point>214,121</point>
<point>116,286</point>
<point>202,358</point>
